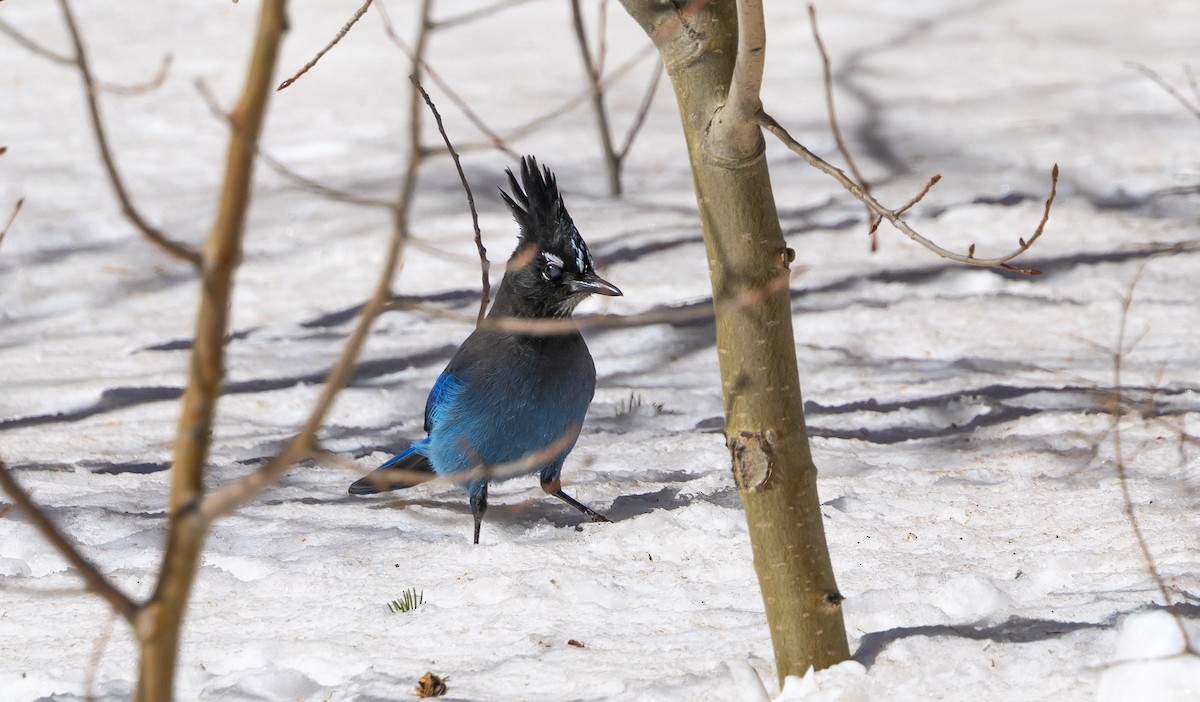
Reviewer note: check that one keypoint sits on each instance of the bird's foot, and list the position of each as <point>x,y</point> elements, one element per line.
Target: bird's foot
<point>591,513</point>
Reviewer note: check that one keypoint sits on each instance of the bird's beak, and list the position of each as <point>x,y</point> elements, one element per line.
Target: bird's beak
<point>592,283</point>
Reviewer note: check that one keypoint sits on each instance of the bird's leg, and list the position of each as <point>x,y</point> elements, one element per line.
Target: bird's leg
<point>478,507</point>
<point>554,487</point>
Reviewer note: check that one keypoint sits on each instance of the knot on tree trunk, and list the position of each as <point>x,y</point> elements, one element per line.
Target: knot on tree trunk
<point>753,455</point>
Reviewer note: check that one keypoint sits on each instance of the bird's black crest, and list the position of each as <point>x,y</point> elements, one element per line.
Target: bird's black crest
<point>538,207</point>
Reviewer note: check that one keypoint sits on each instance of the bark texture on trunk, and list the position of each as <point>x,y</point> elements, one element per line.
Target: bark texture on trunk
<point>710,48</point>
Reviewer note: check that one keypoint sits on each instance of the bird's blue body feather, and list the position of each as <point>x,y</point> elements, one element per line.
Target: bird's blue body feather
<point>512,403</point>
<point>525,399</point>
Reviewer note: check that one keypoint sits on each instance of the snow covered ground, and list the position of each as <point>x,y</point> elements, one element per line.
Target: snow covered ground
<point>972,505</point>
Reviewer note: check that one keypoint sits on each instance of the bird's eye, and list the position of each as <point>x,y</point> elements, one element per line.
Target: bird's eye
<point>553,272</point>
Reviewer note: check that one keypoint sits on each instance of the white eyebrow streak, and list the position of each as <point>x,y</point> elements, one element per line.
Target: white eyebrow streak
<point>551,258</point>
<point>581,258</point>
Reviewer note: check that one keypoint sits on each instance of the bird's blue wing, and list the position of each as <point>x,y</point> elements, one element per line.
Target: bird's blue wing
<point>441,398</point>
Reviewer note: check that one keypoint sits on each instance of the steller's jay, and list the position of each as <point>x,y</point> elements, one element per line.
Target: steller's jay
<point>511,402</point>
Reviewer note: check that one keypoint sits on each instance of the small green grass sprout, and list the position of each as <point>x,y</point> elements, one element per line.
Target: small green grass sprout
<point>410,601</point>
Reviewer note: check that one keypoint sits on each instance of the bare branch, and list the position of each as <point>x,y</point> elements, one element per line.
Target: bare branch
<point>1123,472</point>
<point>639,118</point>
<point>562,109</point>
<point>332,43</point>
<point>496,141</point>
<point>1170,89</point>
<point>827,71</point>
<point>921,195</point>
<point>893,216</point>
<point>472,15</point>
<point>601,38</point>
<point>285,171</point>
<point>92,577</point>
<point>1187,70</point>
<point>30,45</point>
<point>836,128</point>
<point>155,235</point>
<point>910,204</point>
<point>746,86</point>
<point>55,57</point>
<point>612,159</point>
<point>154,83</point>
<point>484,264</point>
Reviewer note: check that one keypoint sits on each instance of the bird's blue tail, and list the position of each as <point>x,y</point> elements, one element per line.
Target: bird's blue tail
<point>405,470</point>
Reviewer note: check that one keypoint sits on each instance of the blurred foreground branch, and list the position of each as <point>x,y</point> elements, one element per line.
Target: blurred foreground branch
<point>92,577</point>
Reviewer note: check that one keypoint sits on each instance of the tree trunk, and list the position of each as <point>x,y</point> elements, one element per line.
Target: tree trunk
<point>159,624</point>
<point>748,263</point>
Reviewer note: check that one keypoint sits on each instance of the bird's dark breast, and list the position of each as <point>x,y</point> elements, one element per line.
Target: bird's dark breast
<point>548,383</point>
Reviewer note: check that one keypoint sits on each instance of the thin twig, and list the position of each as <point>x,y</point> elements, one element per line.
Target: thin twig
<point>601,38</point>
<point>11,217</point>
<point>155,235</point>
<point>154,83</point>
<point>565,107</point>
<point>921,195</point>
<point>285,171</point>
<point>835,127</point>
<point>1170,89</point>
<point>639,118</point>
<point>30,45</point>
<point>1191,77</point>
<point>896,221</point>
<point>472,15</point>
<point>1122,471</point>
<point>908,205</point>
<point>332,43</point>
<point>98,649</point>
<point>484,264</point>
<point>496,140</point>
<point>92,577</point>
<point>55,57</point>
<point>612,159</point>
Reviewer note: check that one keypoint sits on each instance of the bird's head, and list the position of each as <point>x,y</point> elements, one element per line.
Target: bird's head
<point>551,270</point>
